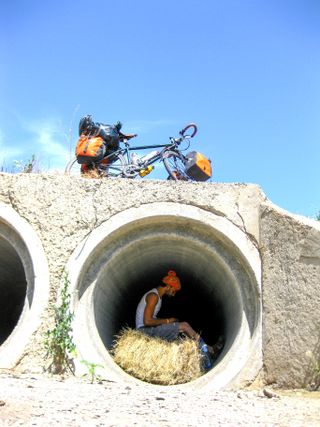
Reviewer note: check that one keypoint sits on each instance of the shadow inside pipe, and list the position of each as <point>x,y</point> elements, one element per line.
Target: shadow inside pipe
<point>13,287</point>
<point>195,304</point>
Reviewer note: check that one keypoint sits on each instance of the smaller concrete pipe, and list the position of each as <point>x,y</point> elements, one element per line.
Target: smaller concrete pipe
<point>219,270</point>
<point>24,285</point>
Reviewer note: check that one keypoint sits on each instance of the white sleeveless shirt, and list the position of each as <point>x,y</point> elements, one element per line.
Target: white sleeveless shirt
<point>142,305</point>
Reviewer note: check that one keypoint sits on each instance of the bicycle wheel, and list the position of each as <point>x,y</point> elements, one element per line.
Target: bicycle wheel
<point>114,169</point>
<point>73,167</point>
<point>174,164</point>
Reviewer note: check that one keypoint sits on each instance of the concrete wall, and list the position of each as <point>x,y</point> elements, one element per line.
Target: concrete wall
<point>290,252</point>
<point>263,263</point>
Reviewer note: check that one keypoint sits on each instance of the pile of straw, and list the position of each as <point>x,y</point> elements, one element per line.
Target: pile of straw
<point>155,360</point>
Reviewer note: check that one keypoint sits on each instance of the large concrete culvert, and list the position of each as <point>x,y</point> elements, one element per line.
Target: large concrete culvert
<point>220,273</point>
<point>24,285</point>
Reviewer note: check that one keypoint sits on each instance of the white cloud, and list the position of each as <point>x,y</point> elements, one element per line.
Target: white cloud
<point>7,152</point>
<point>48,141</point>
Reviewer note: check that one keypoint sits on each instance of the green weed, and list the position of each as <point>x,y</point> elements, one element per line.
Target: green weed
<point>58,340</point>
<point>92,371</point>
<point>28,166</point>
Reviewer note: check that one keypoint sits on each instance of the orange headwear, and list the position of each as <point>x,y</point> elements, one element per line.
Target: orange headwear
<point>172,280</point>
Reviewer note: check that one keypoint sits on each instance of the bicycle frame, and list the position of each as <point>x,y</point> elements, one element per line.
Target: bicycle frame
<point>126,150</point>
<point>132,170</point>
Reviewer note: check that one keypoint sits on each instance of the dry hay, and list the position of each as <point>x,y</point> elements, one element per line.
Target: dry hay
<point>91,174</point>
<point>155,360</point>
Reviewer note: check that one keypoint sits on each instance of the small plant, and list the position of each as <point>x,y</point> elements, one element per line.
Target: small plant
<point>28,166</point>
<point>92,371</point>
<point>318,216</point>
<point>315,364</point>
<point>58,340</point>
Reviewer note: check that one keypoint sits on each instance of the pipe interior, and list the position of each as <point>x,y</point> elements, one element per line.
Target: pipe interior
<point>217,287</point>
<point>13,288</point>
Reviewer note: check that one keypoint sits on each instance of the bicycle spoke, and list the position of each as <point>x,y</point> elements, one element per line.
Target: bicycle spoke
<point>113,169</point>
<point>174,164</point>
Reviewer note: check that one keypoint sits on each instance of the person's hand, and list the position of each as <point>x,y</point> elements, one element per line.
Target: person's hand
<point>172,319</point>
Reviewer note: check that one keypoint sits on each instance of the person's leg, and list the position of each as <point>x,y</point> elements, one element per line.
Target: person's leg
<point>185,328</point>
<point>168,332</point>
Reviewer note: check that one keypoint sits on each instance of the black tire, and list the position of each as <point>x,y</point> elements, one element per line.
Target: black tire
<point>174,164</point>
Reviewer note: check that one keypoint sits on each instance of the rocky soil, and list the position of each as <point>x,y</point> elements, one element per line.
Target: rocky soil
<point>38,400</point>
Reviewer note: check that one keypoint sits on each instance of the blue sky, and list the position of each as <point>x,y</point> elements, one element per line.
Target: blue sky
<point>247,72</point>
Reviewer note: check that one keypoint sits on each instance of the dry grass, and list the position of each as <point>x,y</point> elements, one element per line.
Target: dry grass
<point>155,360</point>
<point>91,174</point>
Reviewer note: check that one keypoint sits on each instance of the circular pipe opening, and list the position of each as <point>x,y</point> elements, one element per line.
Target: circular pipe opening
<point>24,285</point>
<point>220,285</point>
<point>208,295</point>
<point>13,288</point>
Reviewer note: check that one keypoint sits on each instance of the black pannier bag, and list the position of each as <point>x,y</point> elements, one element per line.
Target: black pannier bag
<point>198,167</point>
<point>110,135</point>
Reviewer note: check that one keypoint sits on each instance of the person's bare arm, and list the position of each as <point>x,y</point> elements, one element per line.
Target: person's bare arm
<point>148,320</point>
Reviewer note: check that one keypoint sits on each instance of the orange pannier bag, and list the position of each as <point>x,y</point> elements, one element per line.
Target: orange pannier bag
<point>90,149</point>
<point>198,167</point>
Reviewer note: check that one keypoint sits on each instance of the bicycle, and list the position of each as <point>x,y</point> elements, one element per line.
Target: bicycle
<point>120,164</point>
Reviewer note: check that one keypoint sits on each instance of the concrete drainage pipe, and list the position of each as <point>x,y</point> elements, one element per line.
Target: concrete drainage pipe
<point>220,272</point>
<point>24,285</point>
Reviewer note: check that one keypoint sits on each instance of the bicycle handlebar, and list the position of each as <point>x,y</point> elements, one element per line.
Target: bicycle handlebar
<point>173,140</point>
<point>190,125</point>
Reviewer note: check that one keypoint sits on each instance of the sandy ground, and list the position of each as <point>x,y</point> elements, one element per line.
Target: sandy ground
<point>38,400</point>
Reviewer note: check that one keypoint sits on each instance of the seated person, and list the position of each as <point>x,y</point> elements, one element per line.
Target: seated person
<point>149,306</point>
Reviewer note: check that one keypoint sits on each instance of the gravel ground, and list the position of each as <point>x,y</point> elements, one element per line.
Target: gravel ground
<point>38,400</point>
